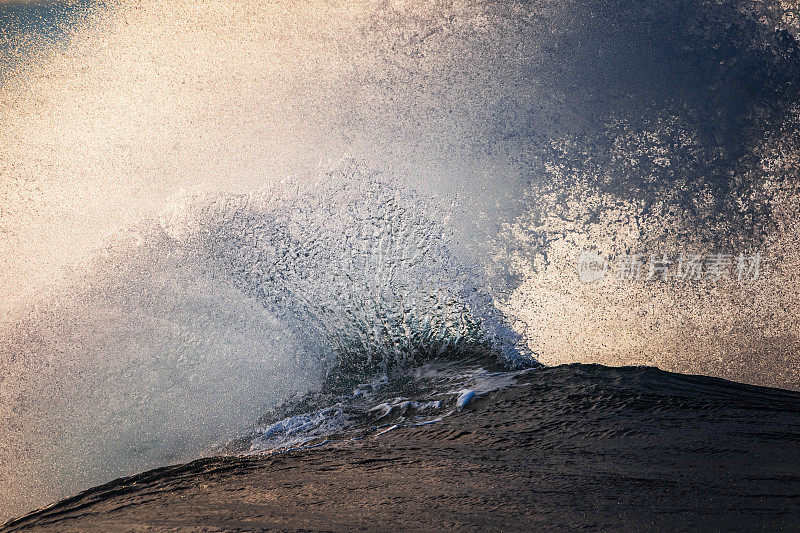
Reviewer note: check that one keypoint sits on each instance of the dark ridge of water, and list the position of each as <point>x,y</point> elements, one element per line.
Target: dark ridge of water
<point>578,446</point>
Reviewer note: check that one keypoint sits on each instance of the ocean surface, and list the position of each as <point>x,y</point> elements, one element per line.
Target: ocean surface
<point>455,446</point>
<point>329,259</point>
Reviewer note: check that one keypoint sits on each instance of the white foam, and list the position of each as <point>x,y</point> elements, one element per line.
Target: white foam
<point>465,396</point>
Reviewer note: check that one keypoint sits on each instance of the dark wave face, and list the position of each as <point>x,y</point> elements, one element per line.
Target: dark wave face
<point>576,446</point>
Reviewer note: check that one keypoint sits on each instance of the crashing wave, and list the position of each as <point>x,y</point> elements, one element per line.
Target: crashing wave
<point>355,266</point>
<point>187,329</point>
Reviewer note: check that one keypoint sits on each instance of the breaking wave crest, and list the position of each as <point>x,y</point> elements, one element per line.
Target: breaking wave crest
<point>354,266</point>
<point>186,329</point>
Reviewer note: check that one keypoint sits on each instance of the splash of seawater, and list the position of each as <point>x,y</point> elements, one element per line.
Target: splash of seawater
<point>187,328</point>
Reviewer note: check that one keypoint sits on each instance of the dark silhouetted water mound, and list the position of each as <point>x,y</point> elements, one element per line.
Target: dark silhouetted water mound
<point>577,447</point>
